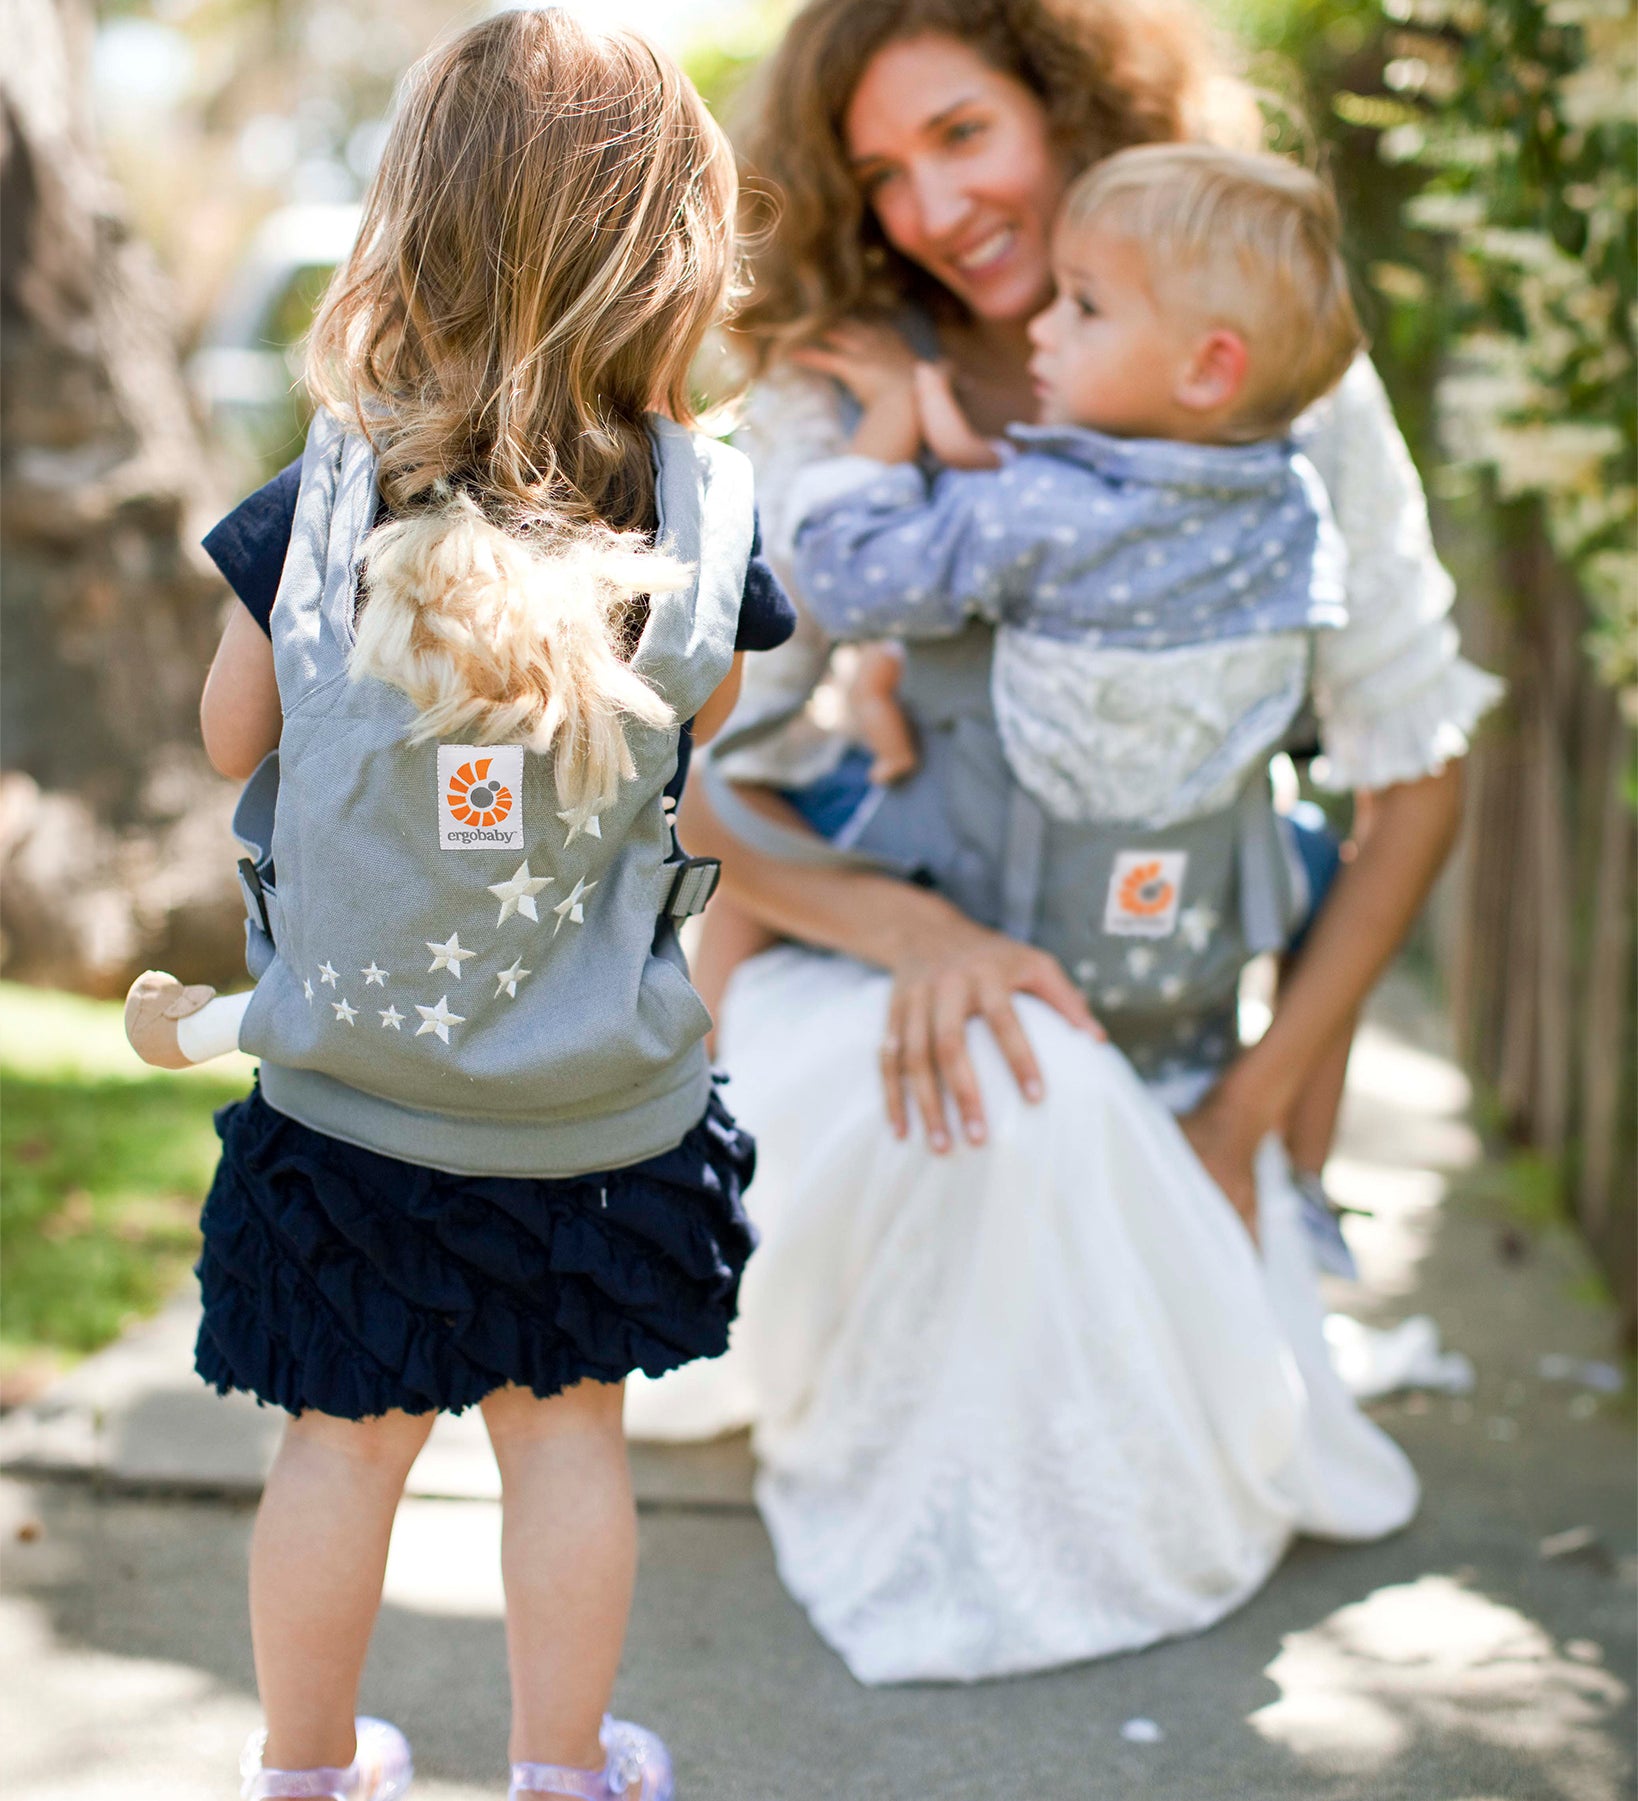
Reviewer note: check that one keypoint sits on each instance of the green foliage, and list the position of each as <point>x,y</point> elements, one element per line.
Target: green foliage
<point>1522,117</point>
<point>104,1164</point>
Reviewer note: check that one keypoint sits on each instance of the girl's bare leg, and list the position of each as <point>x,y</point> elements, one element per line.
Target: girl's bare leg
<point>568,1558</point>
<point>728,936</point>
<point>318,1557</point>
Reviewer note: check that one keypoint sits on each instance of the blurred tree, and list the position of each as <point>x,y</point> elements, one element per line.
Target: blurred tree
<point>1521,119</point>
<point>110,831</point>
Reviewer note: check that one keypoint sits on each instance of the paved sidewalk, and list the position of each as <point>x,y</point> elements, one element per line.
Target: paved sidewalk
<point>1486,1654</point>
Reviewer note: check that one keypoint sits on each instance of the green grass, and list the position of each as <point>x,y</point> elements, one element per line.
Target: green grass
<point>103,1165</point>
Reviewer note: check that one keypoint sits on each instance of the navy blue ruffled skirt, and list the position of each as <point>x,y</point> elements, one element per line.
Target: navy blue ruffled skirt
<point>341,1280</point>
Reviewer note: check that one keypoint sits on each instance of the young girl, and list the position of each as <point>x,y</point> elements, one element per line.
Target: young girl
<point>485,1164</point>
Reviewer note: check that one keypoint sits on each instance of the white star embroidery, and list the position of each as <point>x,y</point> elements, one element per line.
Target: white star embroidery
<point>448,955</point>
<point>375,975</point>
<point>328,976</point>
<point>307,988</point>
<point>438,1019</point>
<point>344,1012</point>
<point>1085,971</point>
<point>1197,923</point>
<point>390,1016</point>
<point>1172,987</point>
<point>592,826</point>
<point>571,907</point>
<point>507,980</point>
<point>517,893</point>
<point>1140,960</point>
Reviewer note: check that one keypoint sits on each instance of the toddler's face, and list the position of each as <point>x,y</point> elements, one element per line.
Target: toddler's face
<point>1107,353</point>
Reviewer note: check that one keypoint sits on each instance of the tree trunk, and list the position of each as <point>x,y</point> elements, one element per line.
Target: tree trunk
<point>111,829</point>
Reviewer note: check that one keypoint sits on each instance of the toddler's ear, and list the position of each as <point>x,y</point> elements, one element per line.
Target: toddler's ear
<point>1214,373</point>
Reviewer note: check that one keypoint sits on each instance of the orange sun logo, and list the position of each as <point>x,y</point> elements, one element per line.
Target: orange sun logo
<point>1145,891</point>
<point>474,799</point>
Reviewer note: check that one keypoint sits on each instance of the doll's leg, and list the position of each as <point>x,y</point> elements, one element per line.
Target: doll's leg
<point>569,1559</point>
<point>173,1027</point>
<point>318,1557</point>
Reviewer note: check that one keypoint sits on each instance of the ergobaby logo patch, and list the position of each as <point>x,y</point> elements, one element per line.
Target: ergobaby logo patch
<point>480,796</point>
<point>1145,891</point>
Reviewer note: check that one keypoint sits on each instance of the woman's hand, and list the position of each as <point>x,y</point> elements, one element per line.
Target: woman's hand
<point>957,973</point>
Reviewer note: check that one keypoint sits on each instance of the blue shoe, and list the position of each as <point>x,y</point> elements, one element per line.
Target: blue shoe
<point>638,1769</point>
<point>1321,1222</point>
<point>380,1771</point>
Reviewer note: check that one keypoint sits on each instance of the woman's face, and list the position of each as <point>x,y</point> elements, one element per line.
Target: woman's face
<point>956,161</point>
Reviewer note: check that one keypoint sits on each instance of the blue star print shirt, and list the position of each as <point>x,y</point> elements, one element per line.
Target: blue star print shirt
<point>1129,543</point>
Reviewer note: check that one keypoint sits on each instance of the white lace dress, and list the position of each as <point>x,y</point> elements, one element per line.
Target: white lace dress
<point>1042,1401</point>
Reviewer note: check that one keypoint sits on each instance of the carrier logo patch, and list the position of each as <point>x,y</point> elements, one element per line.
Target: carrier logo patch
<point>480,796</point>
<point>1145,891</point>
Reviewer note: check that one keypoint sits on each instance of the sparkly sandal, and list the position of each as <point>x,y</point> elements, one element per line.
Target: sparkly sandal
<point>380,1770</point>
<point>634,1755</point>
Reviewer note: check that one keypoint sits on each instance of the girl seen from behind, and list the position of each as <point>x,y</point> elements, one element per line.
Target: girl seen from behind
<point>485,1163</point>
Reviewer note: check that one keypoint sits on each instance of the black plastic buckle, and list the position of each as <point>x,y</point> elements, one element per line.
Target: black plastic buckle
<point>250,885</point>
<point>692,886</point>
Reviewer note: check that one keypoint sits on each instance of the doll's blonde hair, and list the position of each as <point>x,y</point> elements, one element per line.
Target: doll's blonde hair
<point>1245,240</point>
<point>545,245</point>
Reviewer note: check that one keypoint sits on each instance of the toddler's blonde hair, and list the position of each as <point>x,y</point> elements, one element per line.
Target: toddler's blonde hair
<point>1248,241</point>
<point>544,247</point>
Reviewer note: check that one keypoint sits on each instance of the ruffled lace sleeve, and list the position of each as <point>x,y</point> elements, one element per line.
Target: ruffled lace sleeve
<point>778,732</point>
<point>1394,697</point>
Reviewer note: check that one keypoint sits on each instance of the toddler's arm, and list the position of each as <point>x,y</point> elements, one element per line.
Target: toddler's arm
<point>883,552</point>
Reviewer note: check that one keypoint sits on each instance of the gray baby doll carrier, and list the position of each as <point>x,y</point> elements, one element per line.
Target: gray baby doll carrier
<point>447,973</point>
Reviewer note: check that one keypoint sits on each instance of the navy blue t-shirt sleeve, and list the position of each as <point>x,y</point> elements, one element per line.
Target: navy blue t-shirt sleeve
<point>249,545</point>
<point>766,616</point>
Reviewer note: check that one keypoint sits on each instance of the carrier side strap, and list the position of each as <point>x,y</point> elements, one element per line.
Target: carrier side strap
<point>1025,862</point>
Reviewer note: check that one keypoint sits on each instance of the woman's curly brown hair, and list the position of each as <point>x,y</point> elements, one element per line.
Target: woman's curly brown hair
<point>1110,73</point>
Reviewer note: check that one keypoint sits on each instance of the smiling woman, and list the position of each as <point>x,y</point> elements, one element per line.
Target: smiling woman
<point>1025,1390</point>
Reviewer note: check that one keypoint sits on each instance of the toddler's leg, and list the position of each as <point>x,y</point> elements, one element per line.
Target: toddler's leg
<point>569,1559</point>
<point>173,1027</point>
<point>317,1561</point>
<point>876,717</point>
<point>728,937</point>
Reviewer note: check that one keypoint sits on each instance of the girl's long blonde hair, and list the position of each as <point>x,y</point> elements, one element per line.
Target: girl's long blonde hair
<point>1109,73</point>
<point>545,245</point>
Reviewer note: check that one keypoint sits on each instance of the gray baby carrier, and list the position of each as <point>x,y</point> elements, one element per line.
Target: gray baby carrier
<point>446,972</point>
<point>1153,924</point>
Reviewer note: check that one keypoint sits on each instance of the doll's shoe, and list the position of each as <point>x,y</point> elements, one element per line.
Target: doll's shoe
<point>638,1769</point>
<point>155,1002</point>
<point>1322,1223</point>
<point>380,1771</point>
